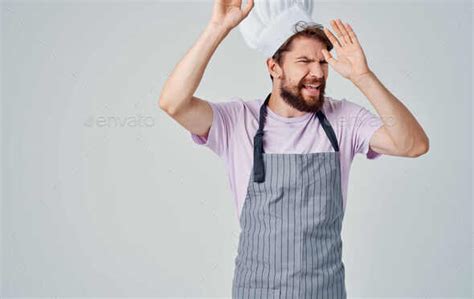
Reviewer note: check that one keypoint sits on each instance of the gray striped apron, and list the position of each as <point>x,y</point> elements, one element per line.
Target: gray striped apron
<point>290,242</point>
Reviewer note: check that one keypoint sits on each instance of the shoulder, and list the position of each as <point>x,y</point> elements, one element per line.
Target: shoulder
<point>342,106</point>
<point>238,107</point>
<point>236,104</point>
<point>342,111</point>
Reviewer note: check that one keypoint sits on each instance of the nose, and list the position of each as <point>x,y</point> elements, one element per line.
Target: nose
<point>316,71</point>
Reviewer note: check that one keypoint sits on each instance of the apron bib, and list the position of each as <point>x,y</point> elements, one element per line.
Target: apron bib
<point>290,242</point>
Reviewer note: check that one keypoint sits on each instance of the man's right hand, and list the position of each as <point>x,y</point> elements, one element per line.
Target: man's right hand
<point>228,13</point>
<point>177,96</point>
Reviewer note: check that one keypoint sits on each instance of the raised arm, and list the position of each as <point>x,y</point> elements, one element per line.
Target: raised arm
<point>400,136</point>
<point>177,96</point>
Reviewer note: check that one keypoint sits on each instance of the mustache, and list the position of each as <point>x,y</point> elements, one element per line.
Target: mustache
<point>322,82</point>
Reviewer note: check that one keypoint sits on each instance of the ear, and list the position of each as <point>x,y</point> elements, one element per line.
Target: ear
<point>273,68</point>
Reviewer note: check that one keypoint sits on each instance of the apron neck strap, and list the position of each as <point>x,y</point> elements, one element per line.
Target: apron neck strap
<point>328,129</point>
<point>258,167</point>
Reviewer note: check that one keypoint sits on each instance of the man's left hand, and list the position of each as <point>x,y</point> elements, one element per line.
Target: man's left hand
<point>351,62</point>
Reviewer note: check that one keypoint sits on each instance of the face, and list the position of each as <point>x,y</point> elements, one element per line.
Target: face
<point>302,66</point>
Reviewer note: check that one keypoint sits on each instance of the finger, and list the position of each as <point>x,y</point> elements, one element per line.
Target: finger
<point>248,8</point>
<point>345,32</point>
<point>332,38</point>
<point>331,60</point>
<point>343,29</point>
<point>352,34</point>
<point>338,32</point>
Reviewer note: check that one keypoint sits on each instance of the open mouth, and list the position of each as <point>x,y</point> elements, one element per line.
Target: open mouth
<point>312,86</point>
<point>312,89</point>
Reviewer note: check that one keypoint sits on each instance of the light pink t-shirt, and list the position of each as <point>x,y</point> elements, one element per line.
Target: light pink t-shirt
<point>235,123</point>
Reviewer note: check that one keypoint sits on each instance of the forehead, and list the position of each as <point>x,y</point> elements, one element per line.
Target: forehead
<point>306,47</point>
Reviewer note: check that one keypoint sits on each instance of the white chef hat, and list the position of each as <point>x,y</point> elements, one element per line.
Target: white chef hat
<point>271,22</point>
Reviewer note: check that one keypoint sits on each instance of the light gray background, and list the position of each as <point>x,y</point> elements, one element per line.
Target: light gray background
<point>92,207</point>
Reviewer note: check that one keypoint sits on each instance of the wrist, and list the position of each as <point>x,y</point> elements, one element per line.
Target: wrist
<point>217,27</point>
<point>359,80</point>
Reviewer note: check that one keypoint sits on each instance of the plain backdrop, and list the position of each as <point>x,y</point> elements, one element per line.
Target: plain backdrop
<point>103,194</point>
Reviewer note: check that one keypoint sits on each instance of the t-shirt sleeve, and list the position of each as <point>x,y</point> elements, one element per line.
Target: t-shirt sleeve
<point>225,116</point>
<point>364,125</point>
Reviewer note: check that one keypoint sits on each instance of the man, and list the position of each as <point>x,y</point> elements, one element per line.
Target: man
<point>288,156</point>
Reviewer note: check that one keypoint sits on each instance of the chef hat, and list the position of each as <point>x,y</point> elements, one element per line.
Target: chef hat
<point>271,22</point>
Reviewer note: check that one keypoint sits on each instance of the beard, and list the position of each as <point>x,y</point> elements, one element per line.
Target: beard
<point>293,96</point>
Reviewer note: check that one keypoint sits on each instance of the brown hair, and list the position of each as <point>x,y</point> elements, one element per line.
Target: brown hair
<point>302,29</point>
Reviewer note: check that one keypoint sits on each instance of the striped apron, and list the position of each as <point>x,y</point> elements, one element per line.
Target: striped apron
<point>290,242</point>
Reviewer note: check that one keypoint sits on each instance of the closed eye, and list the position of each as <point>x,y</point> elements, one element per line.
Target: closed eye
<point>305,61</point>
